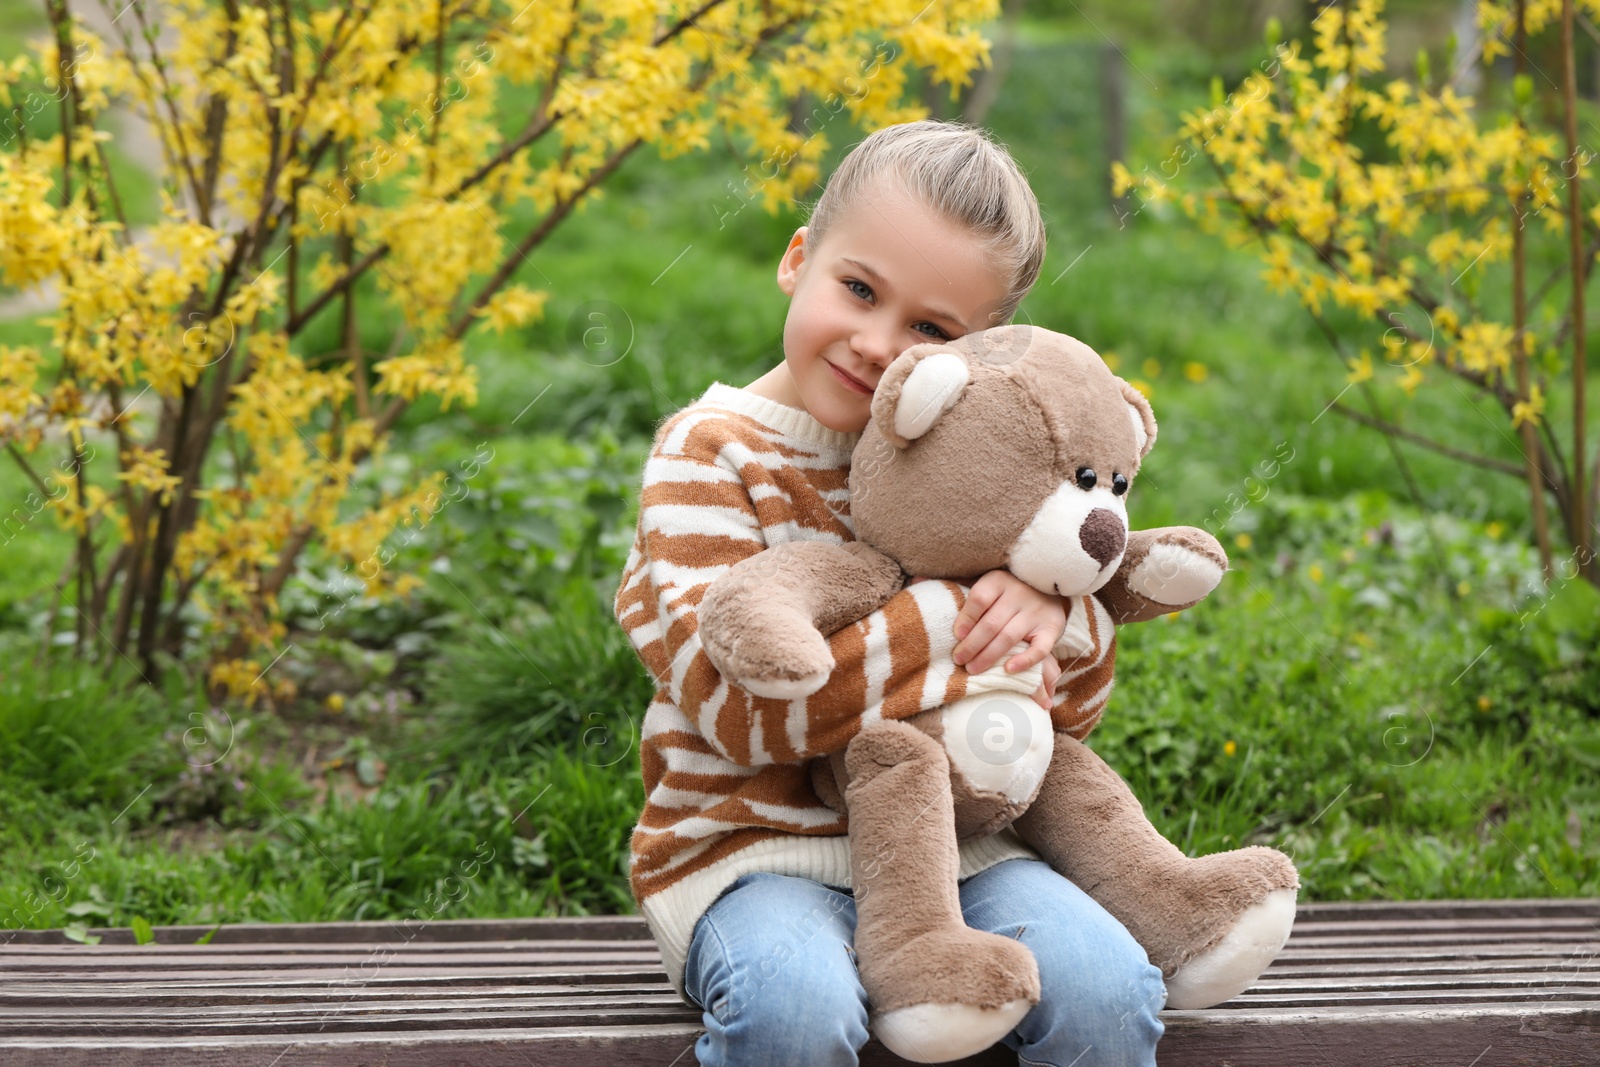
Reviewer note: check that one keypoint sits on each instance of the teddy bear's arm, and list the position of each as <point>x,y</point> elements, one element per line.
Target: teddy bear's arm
<point>1163,570</point>
<point>764,622</point>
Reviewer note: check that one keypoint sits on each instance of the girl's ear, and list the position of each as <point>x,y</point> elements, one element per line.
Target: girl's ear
<point>789,265</point>
<point>919,387</point>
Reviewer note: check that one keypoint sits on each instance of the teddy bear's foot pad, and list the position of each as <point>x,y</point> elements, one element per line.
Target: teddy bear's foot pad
<point>787,688</point>
<point>939,1033</point>
<point>949,993</point>
<point>1230,966</point>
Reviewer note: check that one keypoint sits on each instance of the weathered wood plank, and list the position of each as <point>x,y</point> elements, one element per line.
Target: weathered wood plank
<point>598,973</point>
<point>1448,965</point>
<point>670,1045</point>
<point>1552,1036</point>
<point>1381,910</point>
<point>1382,926</point>
<point>277,948</point>
<point>608,927</point>
<point>35,994</point>
<point>632,927</point>
<point>1557,1038</point>
<point>156,963</point>
<point>354,1018</point>
<point>1423,952</point>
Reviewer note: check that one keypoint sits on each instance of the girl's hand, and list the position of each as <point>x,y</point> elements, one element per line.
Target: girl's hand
<point>1001,610</point>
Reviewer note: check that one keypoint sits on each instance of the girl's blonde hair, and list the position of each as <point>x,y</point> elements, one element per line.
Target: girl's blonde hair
<point>962,174</point>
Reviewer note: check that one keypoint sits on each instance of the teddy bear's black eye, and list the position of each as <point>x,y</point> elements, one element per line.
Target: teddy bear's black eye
<point>1086,478</point>
<point>1119,484</point>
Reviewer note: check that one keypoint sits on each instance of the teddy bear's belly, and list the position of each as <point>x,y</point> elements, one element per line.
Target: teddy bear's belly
<point>1000,745</point>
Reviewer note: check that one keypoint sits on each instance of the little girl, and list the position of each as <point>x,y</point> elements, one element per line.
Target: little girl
<point>927,231</point>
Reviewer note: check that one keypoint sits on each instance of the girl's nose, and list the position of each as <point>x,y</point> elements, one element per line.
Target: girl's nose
<point>875,346</point>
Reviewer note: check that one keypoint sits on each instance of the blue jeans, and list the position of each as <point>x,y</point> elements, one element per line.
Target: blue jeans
<point>771,962</point>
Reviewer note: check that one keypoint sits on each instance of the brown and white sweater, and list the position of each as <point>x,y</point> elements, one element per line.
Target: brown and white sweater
<point>727,787</point>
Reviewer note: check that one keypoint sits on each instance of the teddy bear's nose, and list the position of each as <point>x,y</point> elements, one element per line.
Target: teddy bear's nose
<point>1103,536</point>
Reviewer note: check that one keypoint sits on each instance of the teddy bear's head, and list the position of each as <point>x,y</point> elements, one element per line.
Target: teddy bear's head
<point>1013,448</point>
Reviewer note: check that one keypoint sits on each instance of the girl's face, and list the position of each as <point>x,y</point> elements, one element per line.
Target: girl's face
<point>889,274</point>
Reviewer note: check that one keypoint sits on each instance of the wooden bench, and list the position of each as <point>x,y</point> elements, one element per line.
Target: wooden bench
<point>1460,984</point>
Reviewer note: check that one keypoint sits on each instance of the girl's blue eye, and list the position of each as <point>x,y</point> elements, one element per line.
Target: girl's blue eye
<point>864,291</point>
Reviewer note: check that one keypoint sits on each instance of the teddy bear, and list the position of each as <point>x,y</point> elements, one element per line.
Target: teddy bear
<point>1013,448</point>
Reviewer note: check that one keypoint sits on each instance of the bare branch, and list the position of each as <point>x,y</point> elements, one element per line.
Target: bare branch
<point>1486,462</point>
<point>1519,314</point>
<point>1556,275</point>
<point>33,476</point>
<point>1579,516</point>
<point>298,323</point>
<point>535,237</point>
<point>202,204</point>
<point>685,22</point>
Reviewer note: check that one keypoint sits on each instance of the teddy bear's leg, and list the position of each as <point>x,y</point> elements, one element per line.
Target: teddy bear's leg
<point>939,989</point>
<point>1211,923</point>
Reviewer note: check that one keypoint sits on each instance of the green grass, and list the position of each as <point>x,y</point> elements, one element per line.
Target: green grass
<point>1401,735</point>
<point>545,839</point>
<point>1406,715</point>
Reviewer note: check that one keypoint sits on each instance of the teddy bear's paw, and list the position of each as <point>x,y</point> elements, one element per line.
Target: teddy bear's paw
<point>939,1033</point>
<point>1229,967</point>
<point>956,992</point>
<point>770,665</point>
<point>1175,574</point>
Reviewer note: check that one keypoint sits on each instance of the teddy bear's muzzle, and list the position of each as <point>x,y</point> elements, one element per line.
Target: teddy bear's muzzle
<point>1073,543</point>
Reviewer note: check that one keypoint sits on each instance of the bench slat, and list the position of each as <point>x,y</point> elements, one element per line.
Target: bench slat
<point>585,928</point>
<point>1566,1036</point>
<point>156,962</point>
<point>633,928</point>
<point>280,948</point>
<point>348,1016</point>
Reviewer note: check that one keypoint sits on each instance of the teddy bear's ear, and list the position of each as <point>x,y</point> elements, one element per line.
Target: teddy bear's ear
<point>923,383</point>
<point>1143,419</point>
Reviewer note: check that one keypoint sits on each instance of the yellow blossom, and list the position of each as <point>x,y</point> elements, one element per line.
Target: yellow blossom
<point>1121,180</point>
<point>1528,410</point>
<point>513,306</point>
<point>147,468</point>
<point>1412,378</point>
<point>1361,368</point>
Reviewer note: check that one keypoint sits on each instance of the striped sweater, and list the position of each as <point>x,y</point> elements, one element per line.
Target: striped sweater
<point>727,786</point>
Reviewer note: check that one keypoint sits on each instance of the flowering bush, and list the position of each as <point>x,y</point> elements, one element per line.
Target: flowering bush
<point>1396,200</point>
<point>313,147</point>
